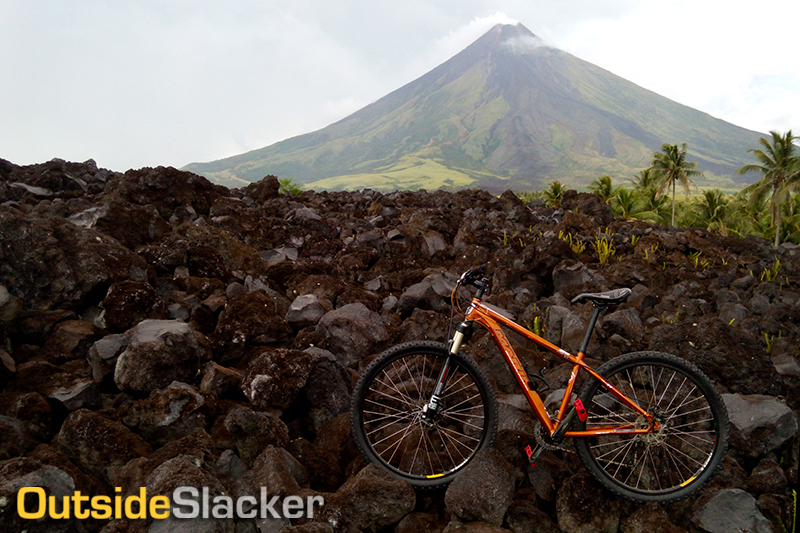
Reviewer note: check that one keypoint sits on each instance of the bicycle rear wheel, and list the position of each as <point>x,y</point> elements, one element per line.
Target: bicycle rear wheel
<point>387,413</point>
<point>674,461</point>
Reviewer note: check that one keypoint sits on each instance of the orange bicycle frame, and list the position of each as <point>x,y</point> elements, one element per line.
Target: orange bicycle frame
<point>491,320</point>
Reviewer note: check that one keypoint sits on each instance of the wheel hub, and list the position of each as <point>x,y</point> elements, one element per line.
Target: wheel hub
<point>428,417</point>
<point>658,436</point>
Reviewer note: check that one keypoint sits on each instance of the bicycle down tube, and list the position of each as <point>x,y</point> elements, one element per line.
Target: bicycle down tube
<point>491,320</point>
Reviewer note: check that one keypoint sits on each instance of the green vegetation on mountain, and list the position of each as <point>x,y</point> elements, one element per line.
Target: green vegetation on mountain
<point>507,112</point>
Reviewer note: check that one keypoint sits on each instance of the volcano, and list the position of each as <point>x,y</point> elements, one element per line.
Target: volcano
<point>507,112</point>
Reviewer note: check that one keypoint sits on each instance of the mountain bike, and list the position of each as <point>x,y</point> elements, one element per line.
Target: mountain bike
<point>650,426</point>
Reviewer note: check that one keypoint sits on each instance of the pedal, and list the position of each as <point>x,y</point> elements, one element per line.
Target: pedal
<point>533,454</point>
<point>580,410</point>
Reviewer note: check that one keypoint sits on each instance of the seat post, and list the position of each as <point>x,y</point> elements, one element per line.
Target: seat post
<point>597,310</point>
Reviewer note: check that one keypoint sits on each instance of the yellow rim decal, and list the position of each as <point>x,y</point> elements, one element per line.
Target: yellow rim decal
<point>434,475</point>
<point>688,481</point>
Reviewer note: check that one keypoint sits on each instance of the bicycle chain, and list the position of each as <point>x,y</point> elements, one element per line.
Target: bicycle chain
<point>540,439</point>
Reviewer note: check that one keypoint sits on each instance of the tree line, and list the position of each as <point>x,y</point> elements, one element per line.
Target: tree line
<point>768,208</point>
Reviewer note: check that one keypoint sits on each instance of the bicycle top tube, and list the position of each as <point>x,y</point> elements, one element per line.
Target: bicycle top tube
<point>492,319</point>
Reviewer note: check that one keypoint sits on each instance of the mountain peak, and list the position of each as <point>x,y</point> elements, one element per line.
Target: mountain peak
<point>514,38</point>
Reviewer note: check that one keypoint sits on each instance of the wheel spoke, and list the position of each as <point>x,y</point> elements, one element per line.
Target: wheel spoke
<point>666,462</point>
<point>393,428</point>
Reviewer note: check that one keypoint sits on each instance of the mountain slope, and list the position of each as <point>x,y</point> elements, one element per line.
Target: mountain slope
<point>506,112</point>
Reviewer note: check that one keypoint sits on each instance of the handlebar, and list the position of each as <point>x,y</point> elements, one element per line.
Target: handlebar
<point>475,277</point>
<point>472,275</point>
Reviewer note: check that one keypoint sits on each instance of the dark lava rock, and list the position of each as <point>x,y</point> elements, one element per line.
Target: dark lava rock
<point>129,302</point>
<point>248,320</point>
<point>353,332</point>
<point>484,490</point>
<point>159,352</point>
<point>273,379</point>
<point>370,501</point>
<point>253,431</point>
<point>49,263</point>
<point>98,445</point>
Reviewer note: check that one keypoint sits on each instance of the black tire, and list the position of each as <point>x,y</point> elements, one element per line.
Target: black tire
<point>658,467</point>
<point>388,401</point>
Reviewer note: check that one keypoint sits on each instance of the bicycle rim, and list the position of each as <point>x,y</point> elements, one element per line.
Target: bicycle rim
<point>667,464</point>
<point>388,422</point>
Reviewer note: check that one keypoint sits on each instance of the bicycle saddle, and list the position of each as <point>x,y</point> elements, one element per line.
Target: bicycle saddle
<point>617,296</point>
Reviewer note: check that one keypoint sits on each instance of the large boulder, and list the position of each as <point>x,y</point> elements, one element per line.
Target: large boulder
<point>353,332</point>
<point>98,445</point>
<point>249,319</point>
<point>731,510</point>
<point>582,506</point>
<point>759,424</point>
<point>432,293</point>
<point>167,189</point>
<point>370,501</point>
<point>725,352</point>
<point>167,414</point>
<point>129,302</point>
<point>196,481</point>
<point>276,470</point>
<point>253,431</point>
<point>327,392</point>
<point>159,352</point>
<point>132,225</point>
<point>306,310</point>
<point>49,263</point>
<point>22,472</point>
<point>273,379</point>
<point>483,491</point>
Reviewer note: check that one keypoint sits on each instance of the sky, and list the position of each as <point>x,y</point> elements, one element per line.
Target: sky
<point>135,83</point>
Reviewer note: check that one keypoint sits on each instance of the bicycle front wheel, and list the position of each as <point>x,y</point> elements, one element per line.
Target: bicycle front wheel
<point>387,410</point>
<point>672,462</point>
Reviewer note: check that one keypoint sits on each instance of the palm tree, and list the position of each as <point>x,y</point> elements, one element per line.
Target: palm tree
<point>644,179</point>
<point>627,204</point>
<point>709,212</point>
<point>624,203</point>
<point>671,167</point>
<point>552,195</point>
<point>748,220</point>
<point>780,170</point>
<point>654,205</point>
<point>602,187</point>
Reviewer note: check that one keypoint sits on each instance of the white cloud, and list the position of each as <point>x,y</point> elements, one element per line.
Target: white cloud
<point>524,44</point>
<point>702,55</point>
<point>455,41</point>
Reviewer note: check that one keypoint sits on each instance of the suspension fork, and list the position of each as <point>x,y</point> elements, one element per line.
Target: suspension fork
<point>432,407</point>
